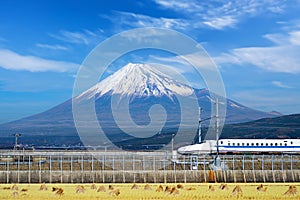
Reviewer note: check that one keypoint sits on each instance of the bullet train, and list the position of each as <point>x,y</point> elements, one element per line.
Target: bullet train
<point>238,146</point>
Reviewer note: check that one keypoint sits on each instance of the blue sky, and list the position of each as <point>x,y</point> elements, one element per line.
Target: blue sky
<point>255,44</point>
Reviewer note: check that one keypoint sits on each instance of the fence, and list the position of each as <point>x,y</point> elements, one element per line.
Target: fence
<point>101,166</point>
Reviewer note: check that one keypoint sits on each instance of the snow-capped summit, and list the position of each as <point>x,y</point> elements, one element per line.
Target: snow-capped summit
<point>138,80</point>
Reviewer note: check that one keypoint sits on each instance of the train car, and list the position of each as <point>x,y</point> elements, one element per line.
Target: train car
<point>237,146</point>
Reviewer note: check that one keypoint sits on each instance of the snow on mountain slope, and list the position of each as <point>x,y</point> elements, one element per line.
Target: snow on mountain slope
<point>138,80</point>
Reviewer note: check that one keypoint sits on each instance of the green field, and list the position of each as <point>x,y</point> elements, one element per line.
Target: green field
<point>189,191</point>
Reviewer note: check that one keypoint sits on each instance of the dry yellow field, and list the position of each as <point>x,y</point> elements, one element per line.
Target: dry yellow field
<point>189,191</point>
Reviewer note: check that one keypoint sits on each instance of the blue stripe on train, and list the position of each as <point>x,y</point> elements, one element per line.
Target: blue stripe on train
<point>259,146</point>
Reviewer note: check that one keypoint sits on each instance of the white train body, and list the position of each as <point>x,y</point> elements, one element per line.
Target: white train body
<point>243,146</point>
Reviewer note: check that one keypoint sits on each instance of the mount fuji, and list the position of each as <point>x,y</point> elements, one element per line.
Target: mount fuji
<point>140,80</point>
<point>141,86</point>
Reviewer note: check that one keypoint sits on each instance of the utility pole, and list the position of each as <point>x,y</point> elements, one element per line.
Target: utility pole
<point>218,160</point>
<point>217,124</point>
<point>199,127</point>
<point>16,140</point>
<point>172,143</point>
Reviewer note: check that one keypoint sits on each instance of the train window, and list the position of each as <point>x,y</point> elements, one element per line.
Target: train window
<point>252,144</point>
<point>267,144</point>
<point>257,144</point>
<point>238,144</point>
<point>221,142</point>
<point>247,144</point>
<point>233,144</point>
<point>276,144</point>
<point>228,144</point>
<point>291,142</point>
<point>280,144</point>
<point>285,144</point>
<point>243,144</point>
<point>271,144</point>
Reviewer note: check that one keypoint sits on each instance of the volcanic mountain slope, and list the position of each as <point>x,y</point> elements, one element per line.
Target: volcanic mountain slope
<point>287,126</point>
<point>144,86</point>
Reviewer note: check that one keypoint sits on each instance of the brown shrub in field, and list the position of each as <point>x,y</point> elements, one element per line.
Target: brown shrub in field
<point>43,187</point>
<point>115,192</point>
<point>93,186</point>
<point>54,189</point>
<point>59,192</point>
<point>135,187</point>
<point>168,189</point>
<point>160,188</point>
<point>6,188</point>
<point>15,194</point>
<point>174,191</point>
<point>261,188</point>
<point>147,187</point>
<point>237,191</point>
<point>292,191</point>
<point>101,189</point>
<point>179,186</point>
<point>191,188</point>
<point>80,189</point>
<point>211,188</point>
<point>24,190</point>
<point>14,187</point>
<point>110,187</point>
<point>223,186</point>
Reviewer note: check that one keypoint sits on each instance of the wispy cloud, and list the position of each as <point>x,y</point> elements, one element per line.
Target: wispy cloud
<point>85,37</point>
<point>139,20</point>
<point>193,14</point>
<point>187,6</point>
<point>52,47</point>
<point>13,61</point>
<point>221,22</point>
<point>292,37</point>
<point>280,84</point>
<point>221,14</point>
<point>282,57</point>
<point>295,38</point>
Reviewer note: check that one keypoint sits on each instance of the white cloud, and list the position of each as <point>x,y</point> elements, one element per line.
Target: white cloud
<point>13,61</point>
<point>221,14</point>
<point>280,84</point>
<point>138,20</point>
<point>85,37</point>
<point>221,22</point>
<point>277,38</point>
<point>282,57</point>
<point>233,7</point>
<point>277,59</point>
<point>290,38</point>
<point>295,38</point>
<point>181,5</point>
<point>150,36</point>
<point>52,47</point>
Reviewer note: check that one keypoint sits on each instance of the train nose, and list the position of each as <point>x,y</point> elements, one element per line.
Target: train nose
<point>182,150</point>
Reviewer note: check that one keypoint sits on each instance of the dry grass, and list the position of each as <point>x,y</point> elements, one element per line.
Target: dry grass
<point>278,191</point>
